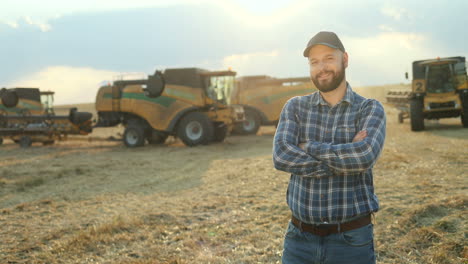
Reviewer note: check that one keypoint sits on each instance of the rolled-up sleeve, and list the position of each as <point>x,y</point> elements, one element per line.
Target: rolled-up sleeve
<point>287,156</point>
<point>358,156</point>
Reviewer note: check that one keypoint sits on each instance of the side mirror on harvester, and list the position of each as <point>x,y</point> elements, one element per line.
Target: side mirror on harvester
<point>155,85</point>
<point>406,75</point>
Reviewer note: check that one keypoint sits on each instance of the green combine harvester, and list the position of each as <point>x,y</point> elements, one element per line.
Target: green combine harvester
<point>27,116</point>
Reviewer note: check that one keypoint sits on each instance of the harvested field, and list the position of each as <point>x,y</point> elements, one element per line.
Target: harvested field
<point>91,200</point>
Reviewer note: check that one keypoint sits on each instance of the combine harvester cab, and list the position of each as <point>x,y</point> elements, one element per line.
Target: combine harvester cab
<point>263,98</point>
<point>27,116</point>
<point>189,103</point>
<point>439,90</point>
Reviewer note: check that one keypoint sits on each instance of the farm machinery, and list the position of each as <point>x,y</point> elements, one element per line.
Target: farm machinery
<point>263,98</point>
<point>439,90</point>
<point>190,103</point>
<point>27,116</point>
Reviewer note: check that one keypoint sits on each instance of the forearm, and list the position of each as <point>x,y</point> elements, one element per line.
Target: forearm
<point>345,158</point>
<point>290,158</point>
<point>360,154</point>
<point>287,156</point>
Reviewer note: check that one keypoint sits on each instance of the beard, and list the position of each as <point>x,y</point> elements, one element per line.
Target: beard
<point>329,85</point>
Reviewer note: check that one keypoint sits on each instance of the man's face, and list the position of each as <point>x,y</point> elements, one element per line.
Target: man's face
<point>327,67</point>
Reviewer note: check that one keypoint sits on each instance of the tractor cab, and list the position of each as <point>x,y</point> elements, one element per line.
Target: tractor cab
<point>220,85</point>
<point>217,85</point>
<point>440,75</point>
<point>47,101</point>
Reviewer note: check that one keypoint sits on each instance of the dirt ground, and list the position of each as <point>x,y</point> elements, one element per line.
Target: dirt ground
<point>91,200</point>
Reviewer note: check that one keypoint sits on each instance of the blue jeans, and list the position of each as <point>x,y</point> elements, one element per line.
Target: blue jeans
<point>353,247</point>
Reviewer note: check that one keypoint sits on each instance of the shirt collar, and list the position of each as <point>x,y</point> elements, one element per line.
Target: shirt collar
<point>348,97</point>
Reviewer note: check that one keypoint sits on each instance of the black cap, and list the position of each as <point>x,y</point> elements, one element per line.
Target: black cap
<point>327,38</point>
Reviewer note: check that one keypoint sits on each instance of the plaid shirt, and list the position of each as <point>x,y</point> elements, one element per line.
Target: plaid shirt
<point>331,182</point>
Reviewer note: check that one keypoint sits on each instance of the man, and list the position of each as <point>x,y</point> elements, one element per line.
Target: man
<point>329,141</point>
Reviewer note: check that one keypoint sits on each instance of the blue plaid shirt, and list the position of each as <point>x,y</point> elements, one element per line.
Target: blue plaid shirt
<point>331,182</point>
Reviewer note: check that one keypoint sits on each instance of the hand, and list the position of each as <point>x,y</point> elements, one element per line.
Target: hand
<point>302,146</point>
<point>360,136</point>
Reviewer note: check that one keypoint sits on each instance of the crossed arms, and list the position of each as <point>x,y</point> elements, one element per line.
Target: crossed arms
<point>316,159</point>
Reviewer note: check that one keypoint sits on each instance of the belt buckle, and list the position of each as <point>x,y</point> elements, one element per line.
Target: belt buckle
<point>326,229</point>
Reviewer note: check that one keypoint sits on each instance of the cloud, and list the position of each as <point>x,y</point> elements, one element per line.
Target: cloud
<point>70,84</point>
<point>397,13</point>
<point>27,21</point>
<point>388,44</point>
<point>386,28</point>
<point>277,63</point>
<point>383,58</point>
<point>248,62</point>
<point>256,13</point>
<point>382,39</point>
<point>41,14</point>
<point>45,10</point>
<point>11,24</point>
<point>44,27</point>
<point>261,14</point>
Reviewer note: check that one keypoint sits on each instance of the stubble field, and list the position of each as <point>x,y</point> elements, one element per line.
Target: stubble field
<point>92,200</point>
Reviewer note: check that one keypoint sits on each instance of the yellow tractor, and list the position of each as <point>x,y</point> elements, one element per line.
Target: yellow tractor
<point>439,90</point>
<point>263,98</point>
<point>190,103</point>
<point>27,116</point>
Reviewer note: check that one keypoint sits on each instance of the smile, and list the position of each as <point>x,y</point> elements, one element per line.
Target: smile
<point>325,76</point>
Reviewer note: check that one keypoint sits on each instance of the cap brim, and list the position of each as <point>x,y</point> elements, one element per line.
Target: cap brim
<point>306,51</point>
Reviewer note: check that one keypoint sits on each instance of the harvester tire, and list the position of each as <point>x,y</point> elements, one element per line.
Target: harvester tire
<point>220,132</point>
<point>134,135</point>
<point>464,113</point>
<point>25,142</point>
<point>195,128</point>
<point>251,124</point>
<point>416,114</point>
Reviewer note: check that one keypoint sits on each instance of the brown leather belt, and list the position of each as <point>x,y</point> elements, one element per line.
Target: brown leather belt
<point>328,229</point>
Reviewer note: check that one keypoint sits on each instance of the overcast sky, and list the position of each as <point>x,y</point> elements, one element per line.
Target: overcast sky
<point>70,47</point>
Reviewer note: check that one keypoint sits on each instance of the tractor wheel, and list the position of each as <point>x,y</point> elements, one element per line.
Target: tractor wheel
<point>464,113</point>
<point>220,132</point>
<point>250,125</point>
<point>195,128</point>
<point>416,114</point>
<point>157,137</point>
<point>134,135</point>
<point>25,142</point>
<point>1,140</point>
